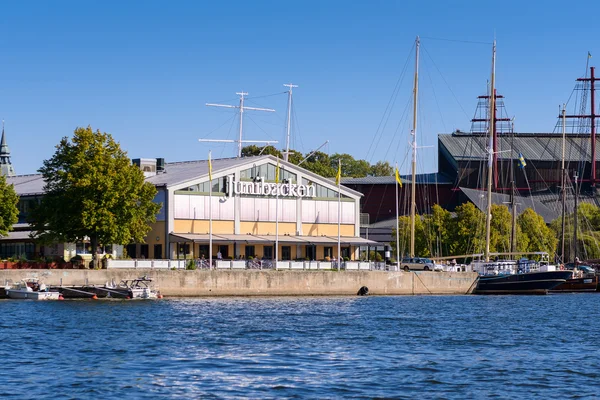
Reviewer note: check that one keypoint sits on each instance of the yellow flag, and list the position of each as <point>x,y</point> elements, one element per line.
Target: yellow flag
<point>398,177</point>
<point>338,177</point>
<point>277,171</point>
<point>209,167</point>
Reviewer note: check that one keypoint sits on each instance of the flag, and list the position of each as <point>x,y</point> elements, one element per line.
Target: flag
<point>277,171</point>
<point>589,55</point>
<point>338,176</point>
<point>398,177</point>
<point>209,167</point>
<point>522,162</point>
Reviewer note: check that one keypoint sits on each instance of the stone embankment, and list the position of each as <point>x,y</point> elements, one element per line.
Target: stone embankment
<point>262,283</point>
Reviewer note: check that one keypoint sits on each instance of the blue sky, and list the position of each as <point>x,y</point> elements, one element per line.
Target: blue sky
<point>143,70</point>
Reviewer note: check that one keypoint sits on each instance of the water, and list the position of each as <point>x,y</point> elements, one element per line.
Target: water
<point>452,347</point>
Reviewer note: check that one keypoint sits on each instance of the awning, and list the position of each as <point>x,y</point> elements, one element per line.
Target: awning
<point>246,238</point>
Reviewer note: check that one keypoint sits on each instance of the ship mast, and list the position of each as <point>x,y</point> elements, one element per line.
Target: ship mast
<point>490,156</point>
<point>414,151</point>
<point>564,184</point>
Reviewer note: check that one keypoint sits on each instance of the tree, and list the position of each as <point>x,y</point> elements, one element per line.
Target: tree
<point>93,191</point>
<point>350,167</point>
<point>470,229</point>
<point>320,164</point>
<point>381,168</point>
<point>440,228</point>
<point>540,237</point>
<point>9,213</point>
<point>254,150</point>
<point>421,247</point>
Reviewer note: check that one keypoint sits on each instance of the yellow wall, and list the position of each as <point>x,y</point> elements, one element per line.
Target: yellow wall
<point>327,230</point>
<point>157,231</point>
<point>201,226</point>
<point>267,228</point>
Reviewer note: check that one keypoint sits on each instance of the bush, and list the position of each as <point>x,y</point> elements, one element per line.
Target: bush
<point>77,259</point>
<point>250,258</point>
<point>190,265</point>
<point>346,259</point>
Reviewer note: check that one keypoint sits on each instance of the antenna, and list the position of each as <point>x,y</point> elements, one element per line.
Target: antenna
<point>289,118</point>
<point>241,108</point>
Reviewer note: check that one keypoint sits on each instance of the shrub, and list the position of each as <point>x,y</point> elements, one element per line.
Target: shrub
<point>190,265</point>
<point>77,259</point>
<point>346,259</point>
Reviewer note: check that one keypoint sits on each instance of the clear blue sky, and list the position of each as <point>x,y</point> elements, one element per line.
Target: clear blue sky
<point>143,70</point>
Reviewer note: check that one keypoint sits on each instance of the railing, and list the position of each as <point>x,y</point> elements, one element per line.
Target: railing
<point>253,265</point>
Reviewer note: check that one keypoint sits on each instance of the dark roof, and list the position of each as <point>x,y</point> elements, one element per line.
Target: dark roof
<point>423,179</point>
<point>533,146</point>
<point>554,200</point>
<point>175,173</point>
<point>479,198</point>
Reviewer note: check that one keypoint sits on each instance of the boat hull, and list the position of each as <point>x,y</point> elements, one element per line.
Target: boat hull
<point>23,294</point>
<point>527,283</point>
<point>577,285</point>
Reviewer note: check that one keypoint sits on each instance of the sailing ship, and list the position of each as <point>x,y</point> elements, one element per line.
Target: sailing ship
<point>510,276</point>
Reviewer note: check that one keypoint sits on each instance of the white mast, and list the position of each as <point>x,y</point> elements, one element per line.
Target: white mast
<point>397,222</point>
<point>241,107</point>
<point>289,119</point>
<point>564,184</point>
<point>490,155</point>
<point>210,224</point>
<point>339,246</point>
<point>414,152</point>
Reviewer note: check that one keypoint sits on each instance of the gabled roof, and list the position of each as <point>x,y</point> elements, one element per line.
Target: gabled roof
<point>479,198</point>
<point>422,179</point>
<point>533,146</point>
<point>178,173</point>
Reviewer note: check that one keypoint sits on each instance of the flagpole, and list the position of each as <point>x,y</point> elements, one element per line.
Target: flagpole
<point>210,236</point>
<point>277,213</point>
<point>397,224</point>
<point>339,214</point>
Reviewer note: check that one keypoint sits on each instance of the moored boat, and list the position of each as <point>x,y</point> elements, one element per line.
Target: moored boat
<point>518,277</point>
<point>31,290</point>
<point>140,288</point>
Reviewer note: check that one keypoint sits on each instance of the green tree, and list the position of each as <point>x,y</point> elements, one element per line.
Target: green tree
<point>440,229</point>
<point>469,235</point>
<point>350,167</point>
<point>9,213</point>
<point>254,150</point>
<point>381,168</point>
<point>421,245</point>
<point>540,237</point>
<point>93,191</point>
<point>320,164</point>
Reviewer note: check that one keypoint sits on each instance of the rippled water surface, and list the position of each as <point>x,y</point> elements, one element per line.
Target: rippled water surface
<point>324,347</point>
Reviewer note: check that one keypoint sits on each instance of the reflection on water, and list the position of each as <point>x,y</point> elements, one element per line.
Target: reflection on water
<point>315,347</point>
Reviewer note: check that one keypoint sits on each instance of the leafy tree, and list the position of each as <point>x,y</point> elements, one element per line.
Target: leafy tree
<point>93,191</point>
<point>440,228</point>
<point>539,235</point>
<point>421,245</point>
<point>470,229</point>
<point>381,168</point>
<point>350,167</point>
<point>254,150</point>
<point>320,164</point>
<point>9,213</point>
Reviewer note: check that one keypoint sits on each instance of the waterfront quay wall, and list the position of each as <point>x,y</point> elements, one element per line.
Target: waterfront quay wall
<point>262,282</point>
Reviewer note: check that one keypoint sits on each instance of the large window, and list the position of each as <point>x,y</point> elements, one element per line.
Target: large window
<point>322,192</point>
<point>267,172</point>
<point>17,250</point>
<point>250,251</point>
<point>219,185</point>
<point>268,252</point>
<point>286,253</point>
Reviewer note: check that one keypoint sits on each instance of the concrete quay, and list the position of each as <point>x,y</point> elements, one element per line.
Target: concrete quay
<point>262,282</point>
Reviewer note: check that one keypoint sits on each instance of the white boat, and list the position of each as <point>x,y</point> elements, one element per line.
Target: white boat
<point>31,290</point>
<point>139,288</point>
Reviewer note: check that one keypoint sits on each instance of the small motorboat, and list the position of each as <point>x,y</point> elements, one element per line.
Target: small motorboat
<point>32,290</point>
<point>140,288</point>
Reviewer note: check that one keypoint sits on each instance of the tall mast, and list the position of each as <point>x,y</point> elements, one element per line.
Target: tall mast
<point>242,108</point>
<point>513,192</point>
<point>414,151</point>
<point>564,186</point>
<point>289,119</point>
<point>576,217</point>
<point>490,156</point>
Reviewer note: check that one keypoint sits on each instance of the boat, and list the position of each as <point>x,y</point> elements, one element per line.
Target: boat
<point>510,276</point>
<point>140,288</point>
<point>518,277</point>
<point>32,290</point>
<point>584,280</point>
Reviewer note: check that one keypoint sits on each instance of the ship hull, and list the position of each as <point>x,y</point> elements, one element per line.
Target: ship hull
<point>528,283</point>
<point>577,285</point>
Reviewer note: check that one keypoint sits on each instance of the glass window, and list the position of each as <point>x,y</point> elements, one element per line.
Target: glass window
<point>268,252</point>
<point>286,253</point>
<point>250,251</point>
